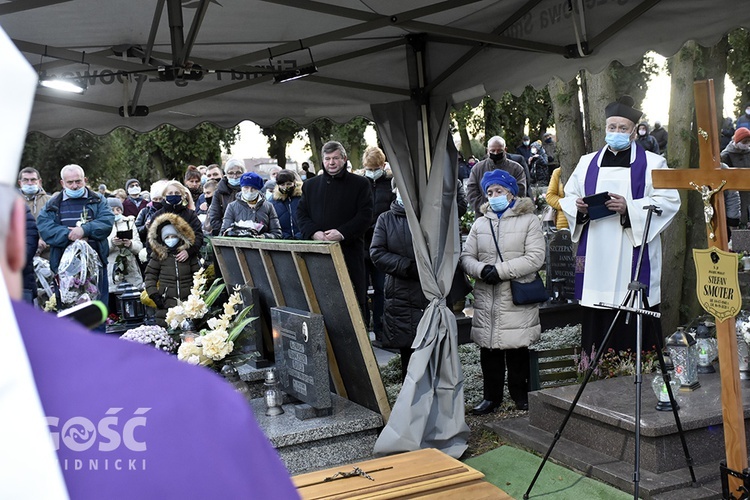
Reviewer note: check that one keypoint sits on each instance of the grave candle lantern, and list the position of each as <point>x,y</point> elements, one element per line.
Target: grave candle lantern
<point>707,348</point>
<point>273,396</point>
<point>130,306</point>
<point>660,388</point>
<point>683,350</point>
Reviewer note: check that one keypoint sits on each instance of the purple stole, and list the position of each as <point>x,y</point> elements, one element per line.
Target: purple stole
<point>637,188</point>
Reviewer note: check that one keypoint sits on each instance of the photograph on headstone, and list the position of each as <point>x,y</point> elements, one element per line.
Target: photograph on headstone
<point>301,361</point>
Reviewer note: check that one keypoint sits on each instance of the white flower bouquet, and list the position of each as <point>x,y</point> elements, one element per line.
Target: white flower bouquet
<point>217,341</point>
<point>151,335</point>
<point>198,303</point>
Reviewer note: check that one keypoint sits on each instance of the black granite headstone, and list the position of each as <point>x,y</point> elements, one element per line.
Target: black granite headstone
<point>300,346</point>
<point>253,335</point>
<point>561,265</point>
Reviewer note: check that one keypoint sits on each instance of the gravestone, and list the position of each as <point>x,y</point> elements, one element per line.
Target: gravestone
<point>560,266</point>
<point>741,240</point>
<point>301,359</point>
<point>255,344</point>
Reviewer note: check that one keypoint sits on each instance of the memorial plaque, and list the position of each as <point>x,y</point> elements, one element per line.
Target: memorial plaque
<point>560,265</point>
<point>301,361</point>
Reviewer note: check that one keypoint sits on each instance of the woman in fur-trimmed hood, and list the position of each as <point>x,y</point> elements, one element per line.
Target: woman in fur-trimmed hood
<point>168,279</point>
<point>502,329</point>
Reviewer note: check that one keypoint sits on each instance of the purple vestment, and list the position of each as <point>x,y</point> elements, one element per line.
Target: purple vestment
<point>133,422</point>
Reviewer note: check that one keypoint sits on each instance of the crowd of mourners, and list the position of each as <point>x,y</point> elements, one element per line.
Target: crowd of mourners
<point>154,237</point>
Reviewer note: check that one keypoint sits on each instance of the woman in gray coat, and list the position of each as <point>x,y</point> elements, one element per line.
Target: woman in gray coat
<point>502,329</point>
<point>250,214</point>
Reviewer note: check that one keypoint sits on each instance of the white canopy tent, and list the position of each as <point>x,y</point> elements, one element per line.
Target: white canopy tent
<point>362,50</point>
<point>401,63</point>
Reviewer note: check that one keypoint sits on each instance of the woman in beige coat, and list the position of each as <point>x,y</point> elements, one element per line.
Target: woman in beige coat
<point>503,330</point>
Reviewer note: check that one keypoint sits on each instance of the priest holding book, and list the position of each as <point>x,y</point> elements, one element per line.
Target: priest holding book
<point>604,205</point>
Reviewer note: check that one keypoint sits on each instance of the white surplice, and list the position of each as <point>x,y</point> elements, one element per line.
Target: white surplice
<point>610,247</point>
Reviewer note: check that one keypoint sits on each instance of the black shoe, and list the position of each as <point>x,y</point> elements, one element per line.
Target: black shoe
<point>485,407</point>
<point>522,406</point>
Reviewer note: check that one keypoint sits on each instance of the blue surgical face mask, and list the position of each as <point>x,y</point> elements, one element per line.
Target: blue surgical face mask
<point>118,217</point>
<point>303,177</point>
<point>374,174</point>
<point>204,178</point>
<point>172,241</point>
<point>250,195</point>
<point>29,189</point>
<point>617,140</point>
<point>173,199</point>
<point>233,181</point>
<point>499,203</point>
<point>75,193</point>
<point>399,200</point>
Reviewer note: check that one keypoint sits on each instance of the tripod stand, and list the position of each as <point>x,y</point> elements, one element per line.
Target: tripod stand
<point>632,303</point>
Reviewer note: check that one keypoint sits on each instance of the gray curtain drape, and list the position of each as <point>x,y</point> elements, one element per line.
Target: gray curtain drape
<point>429,411</point>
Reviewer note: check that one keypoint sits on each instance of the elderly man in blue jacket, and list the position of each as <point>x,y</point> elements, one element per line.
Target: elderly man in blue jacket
<point>73,214</point>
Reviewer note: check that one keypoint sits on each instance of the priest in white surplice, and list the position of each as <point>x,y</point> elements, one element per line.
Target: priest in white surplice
<point>608,247</point>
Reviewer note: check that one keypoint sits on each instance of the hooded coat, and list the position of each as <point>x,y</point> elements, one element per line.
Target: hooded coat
<point>188,215</point>
<point>223,196</point>
<point>286,211</point>
<point>647,141</point>
<point>165,276</point>
<point>392,252</point>
<point>497,322</point>
<point>735,157</point>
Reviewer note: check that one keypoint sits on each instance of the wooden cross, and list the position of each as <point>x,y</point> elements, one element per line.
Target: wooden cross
<point>709,179</point>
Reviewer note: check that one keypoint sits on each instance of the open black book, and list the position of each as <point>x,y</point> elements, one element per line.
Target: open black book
<point>597,208</point>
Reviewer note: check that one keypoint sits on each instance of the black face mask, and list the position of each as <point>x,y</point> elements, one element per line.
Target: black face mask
<point>496,157</point>
<point>156,204</point>
<point>208,200</point>
<point>287,191</point>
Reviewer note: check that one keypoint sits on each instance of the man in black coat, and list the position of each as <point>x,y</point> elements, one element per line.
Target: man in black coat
<point>337,206</point>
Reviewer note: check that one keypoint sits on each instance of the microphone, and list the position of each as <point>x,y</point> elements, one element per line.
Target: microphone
<point>89,314</point>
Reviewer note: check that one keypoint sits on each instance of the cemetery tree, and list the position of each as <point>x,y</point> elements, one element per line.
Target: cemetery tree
<point>492,122</point>
<point>681,152</point>
<point>633,80</point>
<point>170,150</point>
<point>598,91</point>
<point>738,68</point>
<point>49,155</point>
<point>568,124</point>
<point>462,117</point>
<point>352,136</point>
<point>280,135</point>
<point>318,133</point>
<point>602,88</point>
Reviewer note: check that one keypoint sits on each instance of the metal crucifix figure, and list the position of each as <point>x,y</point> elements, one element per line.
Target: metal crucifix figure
<point>708,208</point>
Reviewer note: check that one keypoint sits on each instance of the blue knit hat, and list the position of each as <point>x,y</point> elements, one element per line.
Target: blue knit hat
<point>251,179</point>
<point>502,178</point>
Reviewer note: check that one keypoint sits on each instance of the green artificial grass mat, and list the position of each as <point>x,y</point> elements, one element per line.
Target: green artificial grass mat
<point>512,470</point>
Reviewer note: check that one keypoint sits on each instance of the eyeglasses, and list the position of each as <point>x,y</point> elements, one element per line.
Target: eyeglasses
<point>234,174</point>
